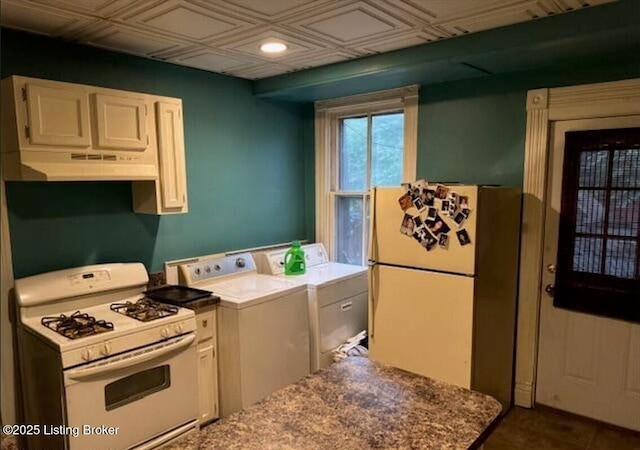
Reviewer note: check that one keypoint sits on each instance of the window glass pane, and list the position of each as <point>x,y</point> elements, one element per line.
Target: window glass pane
<point>349,230</point>
<point>593,168</point>
<point>129,389</point>
<point>590,211</point>
<point>626,168</point>
<point>624,213</point>
<point>621,258</point>
<point>587,255</point>
<point>353,154</point>
<point>387,141</point>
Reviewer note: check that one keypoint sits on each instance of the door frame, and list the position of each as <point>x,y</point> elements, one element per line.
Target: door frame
<point>545,106</point>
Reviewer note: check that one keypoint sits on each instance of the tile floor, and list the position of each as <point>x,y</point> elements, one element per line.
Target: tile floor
<point>547,429</point>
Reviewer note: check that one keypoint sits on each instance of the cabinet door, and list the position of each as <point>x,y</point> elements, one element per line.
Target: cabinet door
<point>171,154</point>
<point>206,393</point>
<point>58,116</point>
<point>121,122</point>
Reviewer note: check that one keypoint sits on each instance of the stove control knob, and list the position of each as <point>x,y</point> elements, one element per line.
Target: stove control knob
<point>179,328</point>
<point>198,271</point>
<point>240,262</point>
<point>105,350</point>
<point>164,332</point>
<point>86,354</point>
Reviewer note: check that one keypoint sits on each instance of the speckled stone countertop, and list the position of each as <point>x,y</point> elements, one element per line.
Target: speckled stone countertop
<point>355,404</point>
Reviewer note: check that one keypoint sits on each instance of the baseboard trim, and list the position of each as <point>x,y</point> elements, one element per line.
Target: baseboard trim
<point>523,394</point>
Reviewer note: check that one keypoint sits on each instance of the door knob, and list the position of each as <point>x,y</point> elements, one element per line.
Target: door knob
<point>551,268</point>
<point>549,289</point>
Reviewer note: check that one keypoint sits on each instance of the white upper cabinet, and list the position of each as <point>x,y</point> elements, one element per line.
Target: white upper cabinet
<point>171,154</point>
<point>58,115</point>
<point>121,122</point>
<point>57,131</point>
<point>168,194</point>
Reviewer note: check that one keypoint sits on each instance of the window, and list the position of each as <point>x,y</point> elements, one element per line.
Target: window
<point>599,240</point>
<point>361,141</point>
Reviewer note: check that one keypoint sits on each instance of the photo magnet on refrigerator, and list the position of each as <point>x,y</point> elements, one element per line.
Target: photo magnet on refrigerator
<point>407,225</point>
<point>429,197</point>
<point>459,218</point>
<point>429,242</point>
<point>463,237</point>
<point>405,202</point>
<point>441,191</point>
<point>438,226</point>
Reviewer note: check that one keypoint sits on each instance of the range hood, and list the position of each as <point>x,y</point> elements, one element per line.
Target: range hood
<point>32,166</point>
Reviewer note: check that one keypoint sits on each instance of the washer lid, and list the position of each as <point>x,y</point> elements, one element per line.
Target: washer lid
<point>247,290</point>
<point>333,272</point>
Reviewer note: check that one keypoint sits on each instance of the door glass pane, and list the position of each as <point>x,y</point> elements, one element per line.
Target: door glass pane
<point>136,386</point>
<point>624,213</point>
<point>590,211</point>
<point>621,258</point>
<point>587,255</point>
<point>387,141</point>
<point>626,168</point>
<point>593,168</point>
<point>353,154</point>
<point>349,230</point>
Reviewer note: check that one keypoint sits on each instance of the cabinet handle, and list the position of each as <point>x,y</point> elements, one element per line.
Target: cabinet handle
<point>205,322</point>
<point>346,306</point>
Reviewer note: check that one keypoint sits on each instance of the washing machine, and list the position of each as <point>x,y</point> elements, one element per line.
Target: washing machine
<point>263,328</point>
<point>337,295</point>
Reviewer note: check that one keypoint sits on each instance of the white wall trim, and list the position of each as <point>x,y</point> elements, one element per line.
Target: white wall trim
<point>326,145</point>
<point>7,369</point>
<point>544,106</point>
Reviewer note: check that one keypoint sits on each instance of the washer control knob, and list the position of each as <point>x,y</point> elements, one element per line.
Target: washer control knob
<point>86,354</point>
<point>179,328</point>
<point>164,332</point>
<point>105,350</point>
<point>207,269</point>
<point>217,267</point>
<point>240,262</point>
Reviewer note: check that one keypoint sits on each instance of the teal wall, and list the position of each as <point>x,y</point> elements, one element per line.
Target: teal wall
<point>473,131</point>
<point>246,160</point>
<point>250,161</point>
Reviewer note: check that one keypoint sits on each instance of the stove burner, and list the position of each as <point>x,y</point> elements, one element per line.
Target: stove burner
<point>145,309</point>
<point>76,325</point>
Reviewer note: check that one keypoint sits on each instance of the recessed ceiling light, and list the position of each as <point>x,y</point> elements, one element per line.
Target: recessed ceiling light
<point>273,47</point>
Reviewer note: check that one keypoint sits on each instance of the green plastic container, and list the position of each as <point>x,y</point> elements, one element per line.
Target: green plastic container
<point>294,262</point>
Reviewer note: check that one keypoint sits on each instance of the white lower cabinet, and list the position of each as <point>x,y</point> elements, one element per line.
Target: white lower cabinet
<point>207,365</point>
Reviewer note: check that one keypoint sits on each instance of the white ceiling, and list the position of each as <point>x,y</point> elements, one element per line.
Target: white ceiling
<point>224,35</point>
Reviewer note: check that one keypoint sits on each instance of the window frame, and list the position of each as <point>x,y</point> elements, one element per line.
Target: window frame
<point>587,292</point>
<point>328,114</point>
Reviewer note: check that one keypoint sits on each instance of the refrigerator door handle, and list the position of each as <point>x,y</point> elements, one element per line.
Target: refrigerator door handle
<point>372,224</point>
<point>371,300</point>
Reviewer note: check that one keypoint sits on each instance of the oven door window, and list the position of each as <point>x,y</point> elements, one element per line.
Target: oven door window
<point>134,387</point>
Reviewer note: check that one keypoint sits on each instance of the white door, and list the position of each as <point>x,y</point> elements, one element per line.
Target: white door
<point>587,364</point>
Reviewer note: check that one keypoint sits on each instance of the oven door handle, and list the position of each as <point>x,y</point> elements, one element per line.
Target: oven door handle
<point>131,360</point>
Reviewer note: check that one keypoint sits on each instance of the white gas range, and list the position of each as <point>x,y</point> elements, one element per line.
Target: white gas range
<point>101,365</point>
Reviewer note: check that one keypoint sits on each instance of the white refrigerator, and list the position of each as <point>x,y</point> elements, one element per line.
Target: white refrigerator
<point>446,310</point>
